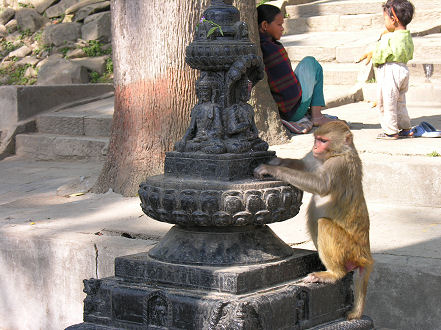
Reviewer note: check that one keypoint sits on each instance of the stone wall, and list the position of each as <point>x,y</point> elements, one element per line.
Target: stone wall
<point>49,42</point>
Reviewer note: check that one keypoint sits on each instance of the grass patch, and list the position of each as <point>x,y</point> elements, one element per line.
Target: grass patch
<point>16,74</point>
<point>434,154</point>
<point>95,49</point>
<point>7,46</point>
<point>107,77</point>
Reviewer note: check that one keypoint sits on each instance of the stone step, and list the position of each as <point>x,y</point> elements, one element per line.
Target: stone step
<point>424,22</point>
<point>45,146</point>
<point>332,23</point>
<point>347,47</point>
<point>352,7</point>
<point>338,95</point>
<point>387,163</point>
<point>91,119</point>
<point>343,7</point>
<point>427,47</point>
<point>405,247</point>
<point>428,93</point>
<point>338,73</point>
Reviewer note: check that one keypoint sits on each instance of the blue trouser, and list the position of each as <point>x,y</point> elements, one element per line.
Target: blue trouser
<point>309,72</point>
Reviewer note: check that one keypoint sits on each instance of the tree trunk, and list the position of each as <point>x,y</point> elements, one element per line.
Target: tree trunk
<point>154,87</point>
<point>266,113</point>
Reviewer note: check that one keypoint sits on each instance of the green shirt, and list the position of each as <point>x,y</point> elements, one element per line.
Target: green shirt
<point>395,46</point>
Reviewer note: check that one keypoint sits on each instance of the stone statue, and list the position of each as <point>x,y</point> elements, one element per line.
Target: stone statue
<point>205,130</point>
<point>241,132</point>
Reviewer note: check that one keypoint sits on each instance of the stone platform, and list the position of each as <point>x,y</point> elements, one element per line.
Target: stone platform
<point>135,298</point>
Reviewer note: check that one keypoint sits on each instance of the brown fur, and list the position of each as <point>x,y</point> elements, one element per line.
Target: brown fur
<point>338,219</point>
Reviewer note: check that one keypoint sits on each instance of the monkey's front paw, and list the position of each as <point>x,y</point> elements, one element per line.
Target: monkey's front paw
<point>311,278</point>
<point>275,161</point>
<point>260,171</point>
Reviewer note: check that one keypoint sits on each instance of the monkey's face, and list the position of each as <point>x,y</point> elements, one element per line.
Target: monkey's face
<point>321,147</point>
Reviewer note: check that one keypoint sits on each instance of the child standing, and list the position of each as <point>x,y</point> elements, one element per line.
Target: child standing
<point>390,56</point>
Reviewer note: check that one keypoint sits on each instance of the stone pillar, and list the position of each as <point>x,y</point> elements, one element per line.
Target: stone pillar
<point>220,266</point>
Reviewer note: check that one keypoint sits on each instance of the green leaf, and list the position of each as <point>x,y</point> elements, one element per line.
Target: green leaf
<point>211,31</point>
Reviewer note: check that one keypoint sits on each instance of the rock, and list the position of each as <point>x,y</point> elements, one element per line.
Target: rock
<point>106,46</point>
<point>42,5</point>
<point>59,9</point>
<point>6,15</point>
<point>81,4</point>
<point>11,26</point>
<point>81,43</point>
<point>5,63</point>
<point>68,19</point>
<point>76,53</point>
<point>4,80</point>
<point>97,64</point>
<point>59,33</point>
<point>91,9</point>
<point>77,186</point>
<point>29,19</point>
<point>28,60</point>
<point>62,72</point>
<point>3,31</point>
<point>20,53</point>
<point>97,27</point>
<point>13,36</point>
<point>30,72</point>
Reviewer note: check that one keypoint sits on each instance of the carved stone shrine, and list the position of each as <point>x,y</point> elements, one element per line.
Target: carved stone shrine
<point>220,266</point>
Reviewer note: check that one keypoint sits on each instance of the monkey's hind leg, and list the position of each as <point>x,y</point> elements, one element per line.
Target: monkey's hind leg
<point>360,288</point>
<point>332,243</point>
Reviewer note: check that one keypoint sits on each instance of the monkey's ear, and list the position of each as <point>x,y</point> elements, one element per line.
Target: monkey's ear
<point>348,138</point>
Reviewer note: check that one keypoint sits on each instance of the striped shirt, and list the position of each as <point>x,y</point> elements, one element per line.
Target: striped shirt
<point>284,85</point>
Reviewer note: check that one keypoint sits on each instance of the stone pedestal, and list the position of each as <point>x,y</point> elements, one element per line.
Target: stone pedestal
<point>150,293</point>
<point>220,266</point>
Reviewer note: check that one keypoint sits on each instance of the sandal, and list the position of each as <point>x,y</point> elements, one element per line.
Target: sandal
<point>406,133</point>
<point>429,130</point>
<point>296,127</point>
<point>384,136</point>
<point>319,121</point>
<point>306,123</point>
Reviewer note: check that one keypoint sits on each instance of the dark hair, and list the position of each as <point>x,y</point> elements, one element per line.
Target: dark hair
<point>267,13</point>
<point>403,9</point>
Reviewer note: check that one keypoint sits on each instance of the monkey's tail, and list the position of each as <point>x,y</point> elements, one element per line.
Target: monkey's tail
<point>360,288</point>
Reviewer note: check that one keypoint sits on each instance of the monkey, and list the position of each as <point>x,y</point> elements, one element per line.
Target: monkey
<point>337,216</point>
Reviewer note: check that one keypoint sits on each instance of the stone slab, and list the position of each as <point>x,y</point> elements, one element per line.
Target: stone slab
<point>387,162</point>
<point>79,120</point>
<point>325,7</point>
<point>18,103</point>
<point>141,268</point>
<point>63,125</point>
<point>58,147</point>
<point>115,303</point>
<point>229,167</point>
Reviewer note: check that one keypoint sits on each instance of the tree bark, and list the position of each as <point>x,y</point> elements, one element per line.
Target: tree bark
<point>266,113</point>
<point>154,88</point>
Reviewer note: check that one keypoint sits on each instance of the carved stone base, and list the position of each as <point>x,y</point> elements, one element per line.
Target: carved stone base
<point>116,303</point>
<point>194,202</point>
<point>226,167</point>
<point>232,260</point>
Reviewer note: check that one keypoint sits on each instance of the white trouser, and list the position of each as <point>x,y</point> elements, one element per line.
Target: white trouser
<point>392,85</point>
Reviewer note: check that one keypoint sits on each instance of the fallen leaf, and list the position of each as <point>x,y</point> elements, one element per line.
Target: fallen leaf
<point>77,194</point>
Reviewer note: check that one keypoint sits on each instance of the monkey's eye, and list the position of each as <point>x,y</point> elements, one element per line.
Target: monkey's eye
<point>322,140</point>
